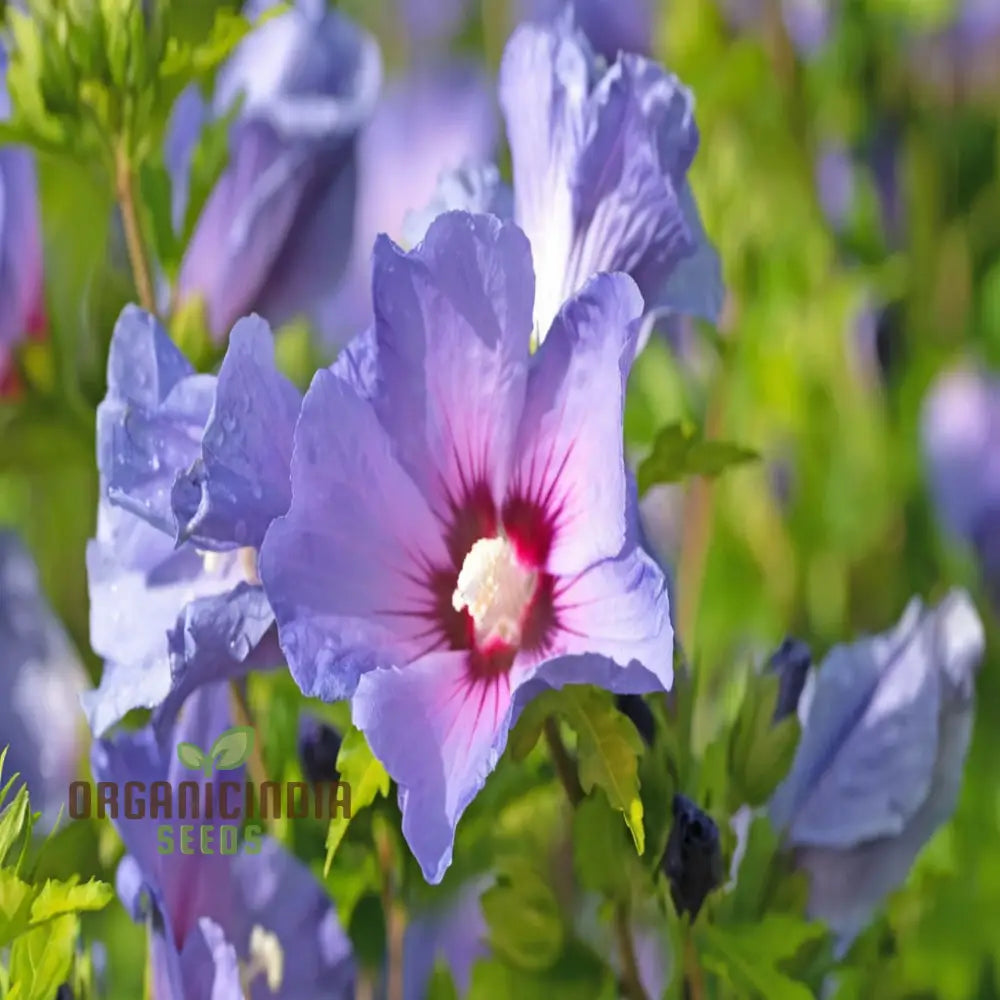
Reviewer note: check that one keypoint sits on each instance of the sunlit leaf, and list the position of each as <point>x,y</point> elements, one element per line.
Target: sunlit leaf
<point>367,779</point>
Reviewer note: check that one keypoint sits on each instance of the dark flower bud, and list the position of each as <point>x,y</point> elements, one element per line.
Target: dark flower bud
<point>319,744</point>
<point>640,713</point>
<point>791,662</point>
<point>890,342</point>
<point>693,859</point>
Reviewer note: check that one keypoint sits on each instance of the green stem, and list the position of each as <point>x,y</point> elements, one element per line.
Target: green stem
<point>696,523</point>
<point>631,980</point>
<point>395,917</point>
<point>694,981</point>
<point>242,717</point>
<point>125,194</point>
<point>563,763</point>
<point>631,983</point>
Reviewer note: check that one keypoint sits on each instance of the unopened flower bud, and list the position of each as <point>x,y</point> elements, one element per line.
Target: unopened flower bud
<point>319,745</point>
<point>791,662</point>
<point>693,859</point>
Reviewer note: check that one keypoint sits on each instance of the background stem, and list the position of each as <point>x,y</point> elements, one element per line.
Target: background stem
<point>395,916</point>
<point>631,980</point>
<point>125,194</point>
<point>564,765</point>
<point>694,981</point>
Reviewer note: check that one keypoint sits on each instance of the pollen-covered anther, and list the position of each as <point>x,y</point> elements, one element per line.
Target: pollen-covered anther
<point>496,589</point>
<point>217,563</point>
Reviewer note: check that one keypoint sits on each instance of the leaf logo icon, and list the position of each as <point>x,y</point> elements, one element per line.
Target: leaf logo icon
<point>232,748</point>
<point>193,757</point>
<point>228,752</point>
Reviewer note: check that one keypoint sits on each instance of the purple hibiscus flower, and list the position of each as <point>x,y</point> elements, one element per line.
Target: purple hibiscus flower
<point>22,308</point>
<point>193,469</point>
<point>41,678</point>
<point>462,529</point>
<point>960,431</point>
<point>886,728</point>
<point>427,123</point>
<point>611,26</point>
<point>600,162</point>
<point>253,922</point>
<point>276,230</point>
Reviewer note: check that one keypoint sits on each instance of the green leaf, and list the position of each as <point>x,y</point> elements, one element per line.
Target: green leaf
<point>40,960</point>
<point>608,749</point>
<point>748,899</point>
<point>13,822</point>
<point>747,955</point>
<point>155,185</point>
<point>58,898</point>
<point>760,750</point>
<point>16,897</point>
<point>600,848</point>
<point>189,331</point>
<point>232,748</point>
<point>367,779</point>
<point>578,974</point>
<point>529,726</point>
<point>524,919</point>
<point>441,986</point>
<point>679,452</point>
<point>38,435</point>
<point>657,789</point>
<point>185,61</point>
<point>191,756</point>
<point>367,931</point>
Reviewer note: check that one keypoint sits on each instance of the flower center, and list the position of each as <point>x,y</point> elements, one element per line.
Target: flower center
<point>497,591</point>
<point>218,563</point>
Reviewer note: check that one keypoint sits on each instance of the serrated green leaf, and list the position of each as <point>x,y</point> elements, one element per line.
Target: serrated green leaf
<point>185,60</point>
<point>367,779</point>
<point>747,955</point>
<point>40,960</point>
<point>679,452</point>
<point>191,756</point>
<point>601,850</point>
<point>608,750</point>
<point>525,920</point>
<point>58,898</point>
<point>232,748</point>
<point>13,822</point>
<point>16,897</point>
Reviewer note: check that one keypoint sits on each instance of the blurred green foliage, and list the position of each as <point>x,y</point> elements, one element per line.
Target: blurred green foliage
<point>826,537</point>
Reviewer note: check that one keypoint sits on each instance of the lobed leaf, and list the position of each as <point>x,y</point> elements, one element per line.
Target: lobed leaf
<point>608,751</point>
<point>367,779</point>
<point>680,452</point>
